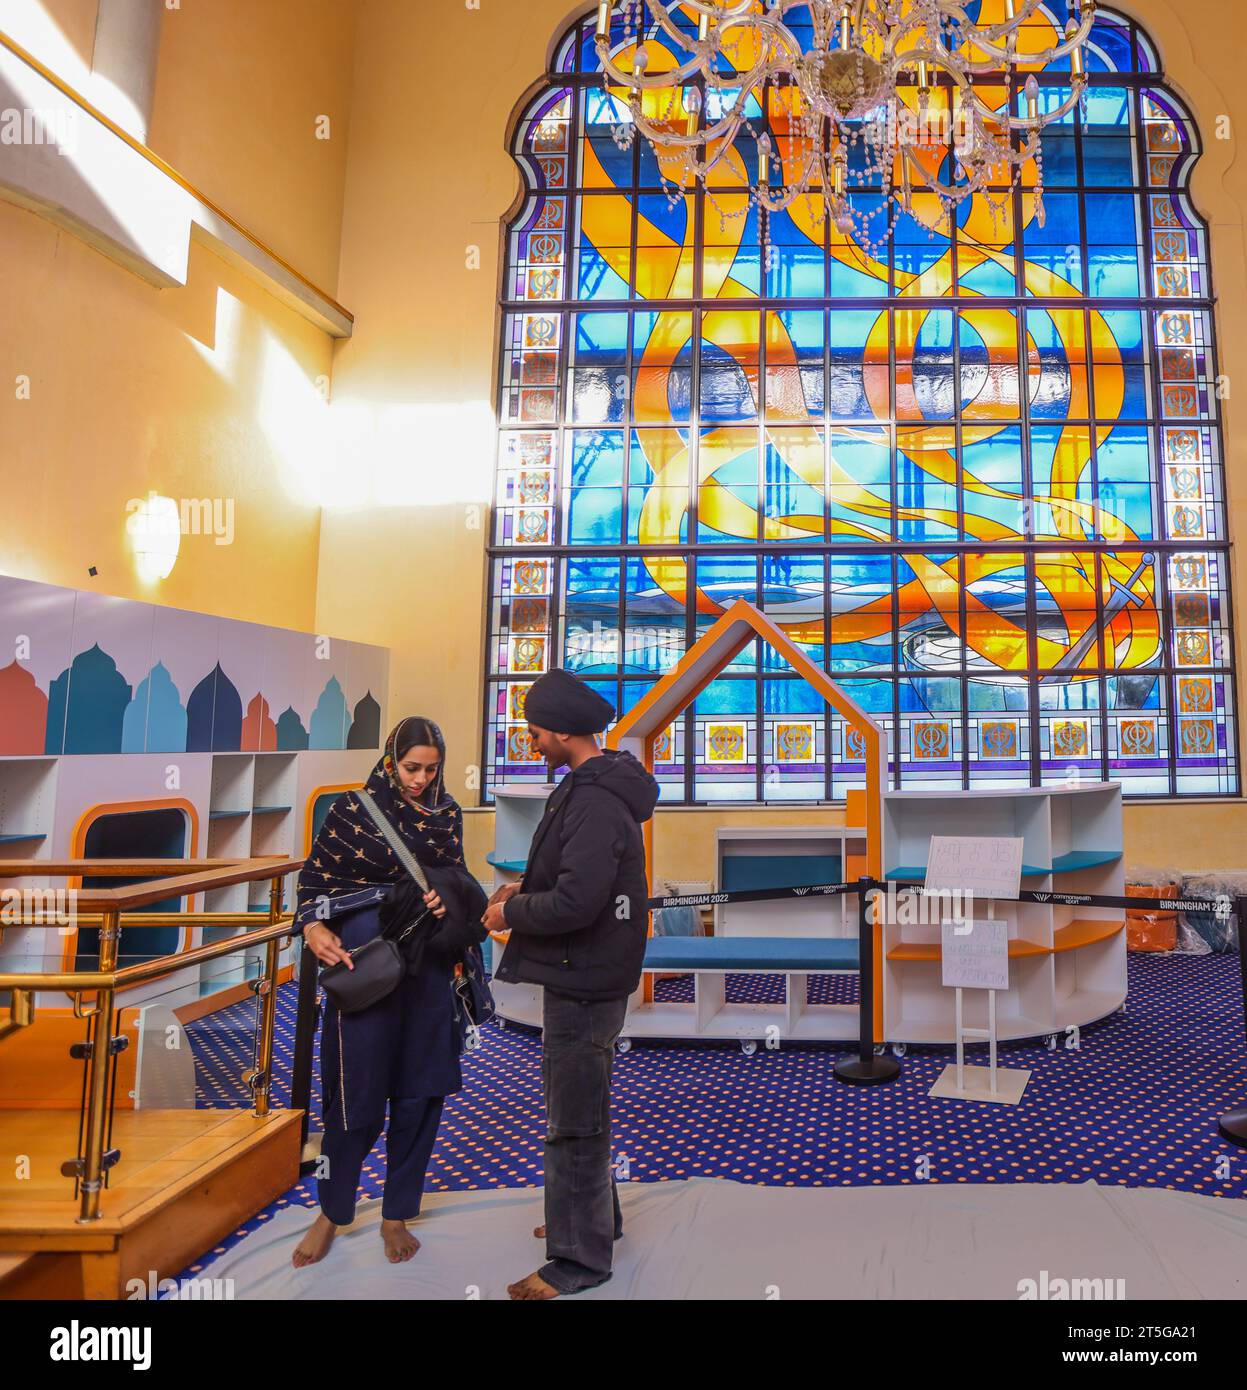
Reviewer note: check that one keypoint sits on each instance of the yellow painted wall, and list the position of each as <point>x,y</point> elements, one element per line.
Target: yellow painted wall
<point>428,175</point>
<point>204,391</point>
<point>240,87</point>
<point>60,33</point>
<point>133,390</point>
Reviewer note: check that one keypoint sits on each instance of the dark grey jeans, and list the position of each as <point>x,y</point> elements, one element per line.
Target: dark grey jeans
<point>582,1207</point>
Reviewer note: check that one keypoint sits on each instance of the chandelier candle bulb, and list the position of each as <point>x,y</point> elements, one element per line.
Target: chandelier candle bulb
<point>1076,57</point>
<point>1032,98</point>
<point>703,27</point>
<point>604,18</point>
<point>692,104</point>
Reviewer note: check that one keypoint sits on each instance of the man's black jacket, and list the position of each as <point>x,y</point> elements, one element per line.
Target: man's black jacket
<point>578,924</point>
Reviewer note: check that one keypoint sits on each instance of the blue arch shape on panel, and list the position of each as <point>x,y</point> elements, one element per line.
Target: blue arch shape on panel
<point>291,735</point>
<point>155,721</point>
<point>87,705</point>
<point>214,715</point>
<point>328,724</point>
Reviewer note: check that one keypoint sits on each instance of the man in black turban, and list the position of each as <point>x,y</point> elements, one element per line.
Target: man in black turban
<point>578,922</point>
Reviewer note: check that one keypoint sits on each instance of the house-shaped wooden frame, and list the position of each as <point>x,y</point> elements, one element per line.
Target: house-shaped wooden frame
<point>715,650</point>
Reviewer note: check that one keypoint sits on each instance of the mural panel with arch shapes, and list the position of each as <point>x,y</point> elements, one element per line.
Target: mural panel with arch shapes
<point>93,674</point>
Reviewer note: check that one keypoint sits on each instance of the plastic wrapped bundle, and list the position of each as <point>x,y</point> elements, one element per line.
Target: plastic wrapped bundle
<point>1148,930</point>
<point>1205,933</point>
<point>679,921</point>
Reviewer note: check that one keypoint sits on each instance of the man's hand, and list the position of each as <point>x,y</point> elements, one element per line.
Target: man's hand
<point>500,895</point>
<point>495,923</point>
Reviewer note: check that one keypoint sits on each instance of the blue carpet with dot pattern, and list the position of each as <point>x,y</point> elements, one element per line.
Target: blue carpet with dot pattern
<point>1136,1104</point>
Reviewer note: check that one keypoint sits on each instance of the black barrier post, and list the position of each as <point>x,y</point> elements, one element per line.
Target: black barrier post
<point>304,1037</point>
<point>1234,1124</point>
<point>866,1069</point>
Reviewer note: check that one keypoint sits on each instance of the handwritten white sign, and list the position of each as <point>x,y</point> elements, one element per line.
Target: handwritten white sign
<point>986,867</point>
<point>977,960</point>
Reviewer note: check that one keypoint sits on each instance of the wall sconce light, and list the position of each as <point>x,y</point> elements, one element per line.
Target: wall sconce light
<point>155,528</point>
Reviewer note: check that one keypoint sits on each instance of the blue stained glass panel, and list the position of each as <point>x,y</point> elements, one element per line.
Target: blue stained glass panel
<point>946,423</point>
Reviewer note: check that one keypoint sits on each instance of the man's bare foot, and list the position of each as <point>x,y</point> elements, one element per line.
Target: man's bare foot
<point>532,1289</point>
<point>315,1243</point>
<point>400,1244</point>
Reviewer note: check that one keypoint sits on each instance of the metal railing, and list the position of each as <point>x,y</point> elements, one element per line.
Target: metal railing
<point>112,910</point>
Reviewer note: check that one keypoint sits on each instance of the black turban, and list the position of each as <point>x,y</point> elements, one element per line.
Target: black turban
<point>564,704</point>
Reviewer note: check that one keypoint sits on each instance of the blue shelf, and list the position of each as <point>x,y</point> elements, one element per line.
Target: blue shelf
<point>1084,859</point>
<point>267,810</point>
<point>227,815</point>
<point>18,839</point>
<point>513,866</point>
<point>919,871</point>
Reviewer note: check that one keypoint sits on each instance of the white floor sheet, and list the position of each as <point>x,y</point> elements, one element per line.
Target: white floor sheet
<point>709,1238</point>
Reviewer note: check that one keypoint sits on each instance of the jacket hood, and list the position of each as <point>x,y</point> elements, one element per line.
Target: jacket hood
<point>623,776</point>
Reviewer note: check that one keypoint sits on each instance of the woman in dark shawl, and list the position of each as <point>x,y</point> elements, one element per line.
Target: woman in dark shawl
<point>404,1049</point>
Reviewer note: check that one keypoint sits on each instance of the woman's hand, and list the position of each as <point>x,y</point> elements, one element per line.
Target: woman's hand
<point>435,904</point>
<point>326,946</point>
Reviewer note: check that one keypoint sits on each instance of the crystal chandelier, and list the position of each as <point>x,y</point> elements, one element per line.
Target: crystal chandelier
<point>912,99</point>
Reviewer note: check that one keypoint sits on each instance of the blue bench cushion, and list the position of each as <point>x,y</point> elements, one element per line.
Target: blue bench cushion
<point>744,873</point>
<point>776,953</point>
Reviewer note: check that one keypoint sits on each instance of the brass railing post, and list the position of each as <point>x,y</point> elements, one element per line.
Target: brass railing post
<point>262,1084</point>
<point>21,1012</point>
<point>96,1127</point>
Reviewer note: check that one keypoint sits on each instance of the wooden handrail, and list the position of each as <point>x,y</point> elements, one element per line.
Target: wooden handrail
<point>189,876</point>
<point>117,868</point>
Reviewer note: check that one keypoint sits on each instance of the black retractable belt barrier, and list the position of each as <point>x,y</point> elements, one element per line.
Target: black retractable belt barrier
<point>866,1069</point>
<point>752,895</point>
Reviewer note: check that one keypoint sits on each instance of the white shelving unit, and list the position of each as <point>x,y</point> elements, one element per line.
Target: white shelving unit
<point>517,813</point>
<point>786,843</point>
<point>1067,965</point>
<point>27,813</point>
<point>518,810</point>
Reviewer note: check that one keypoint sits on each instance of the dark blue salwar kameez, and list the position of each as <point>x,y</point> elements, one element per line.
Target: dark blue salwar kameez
<point>401,1053</point>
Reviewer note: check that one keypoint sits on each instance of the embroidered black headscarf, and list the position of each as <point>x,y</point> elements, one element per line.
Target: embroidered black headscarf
<point>350,864</point>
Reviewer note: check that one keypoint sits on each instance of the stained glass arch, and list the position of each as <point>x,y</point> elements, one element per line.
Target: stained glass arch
<point>975,474</point>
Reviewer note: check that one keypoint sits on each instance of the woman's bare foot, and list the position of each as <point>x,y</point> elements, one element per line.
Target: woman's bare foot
<point>532,1289</point>
<point>400,1244</point>
<point>315,1243</point>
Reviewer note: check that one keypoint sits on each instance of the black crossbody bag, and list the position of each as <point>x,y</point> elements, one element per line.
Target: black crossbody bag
<point>379,964</point>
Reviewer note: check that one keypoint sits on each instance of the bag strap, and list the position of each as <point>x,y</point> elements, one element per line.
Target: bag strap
<point>405,856</point>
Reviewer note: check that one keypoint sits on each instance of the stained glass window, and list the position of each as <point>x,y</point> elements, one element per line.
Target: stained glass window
<point>976,475</point>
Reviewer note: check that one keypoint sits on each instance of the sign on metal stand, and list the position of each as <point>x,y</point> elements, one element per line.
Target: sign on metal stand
<point>975,955</point>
